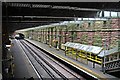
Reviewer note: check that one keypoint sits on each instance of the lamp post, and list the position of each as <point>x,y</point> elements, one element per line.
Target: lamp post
<point>105,45</point>
<point>66,33</point>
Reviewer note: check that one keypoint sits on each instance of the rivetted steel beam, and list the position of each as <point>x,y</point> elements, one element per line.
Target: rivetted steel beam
<point>32,5</point>
<point>17,11</point>
<point>39,17</point>
<point>33,21</point>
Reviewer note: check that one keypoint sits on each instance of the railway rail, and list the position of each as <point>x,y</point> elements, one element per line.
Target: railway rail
<point>46,66</point>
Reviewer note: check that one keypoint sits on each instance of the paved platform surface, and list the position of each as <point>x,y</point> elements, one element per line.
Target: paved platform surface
<point>87,68</point>
<point>22,66</point>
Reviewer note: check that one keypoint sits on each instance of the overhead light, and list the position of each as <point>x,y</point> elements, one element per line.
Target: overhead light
<point>79,19</point>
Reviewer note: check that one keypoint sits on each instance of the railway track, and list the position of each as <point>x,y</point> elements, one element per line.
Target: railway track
<point>47,67</point>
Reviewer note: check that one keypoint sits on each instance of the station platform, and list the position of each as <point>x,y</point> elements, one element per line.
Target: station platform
<point>87,68</point>
<point>22,69</point>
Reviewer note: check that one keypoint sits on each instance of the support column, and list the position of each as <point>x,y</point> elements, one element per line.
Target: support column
<point>66,34</point>
<point>118,32</point>
<point>48,35</point>
<point>60,36</point>
<point>51,36</point>
<point>0,41</point>
<point>43,36</point>
<point>72,35</point>
<point>56,37</point>
<point>94,62</point>
<point>40,35</point>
